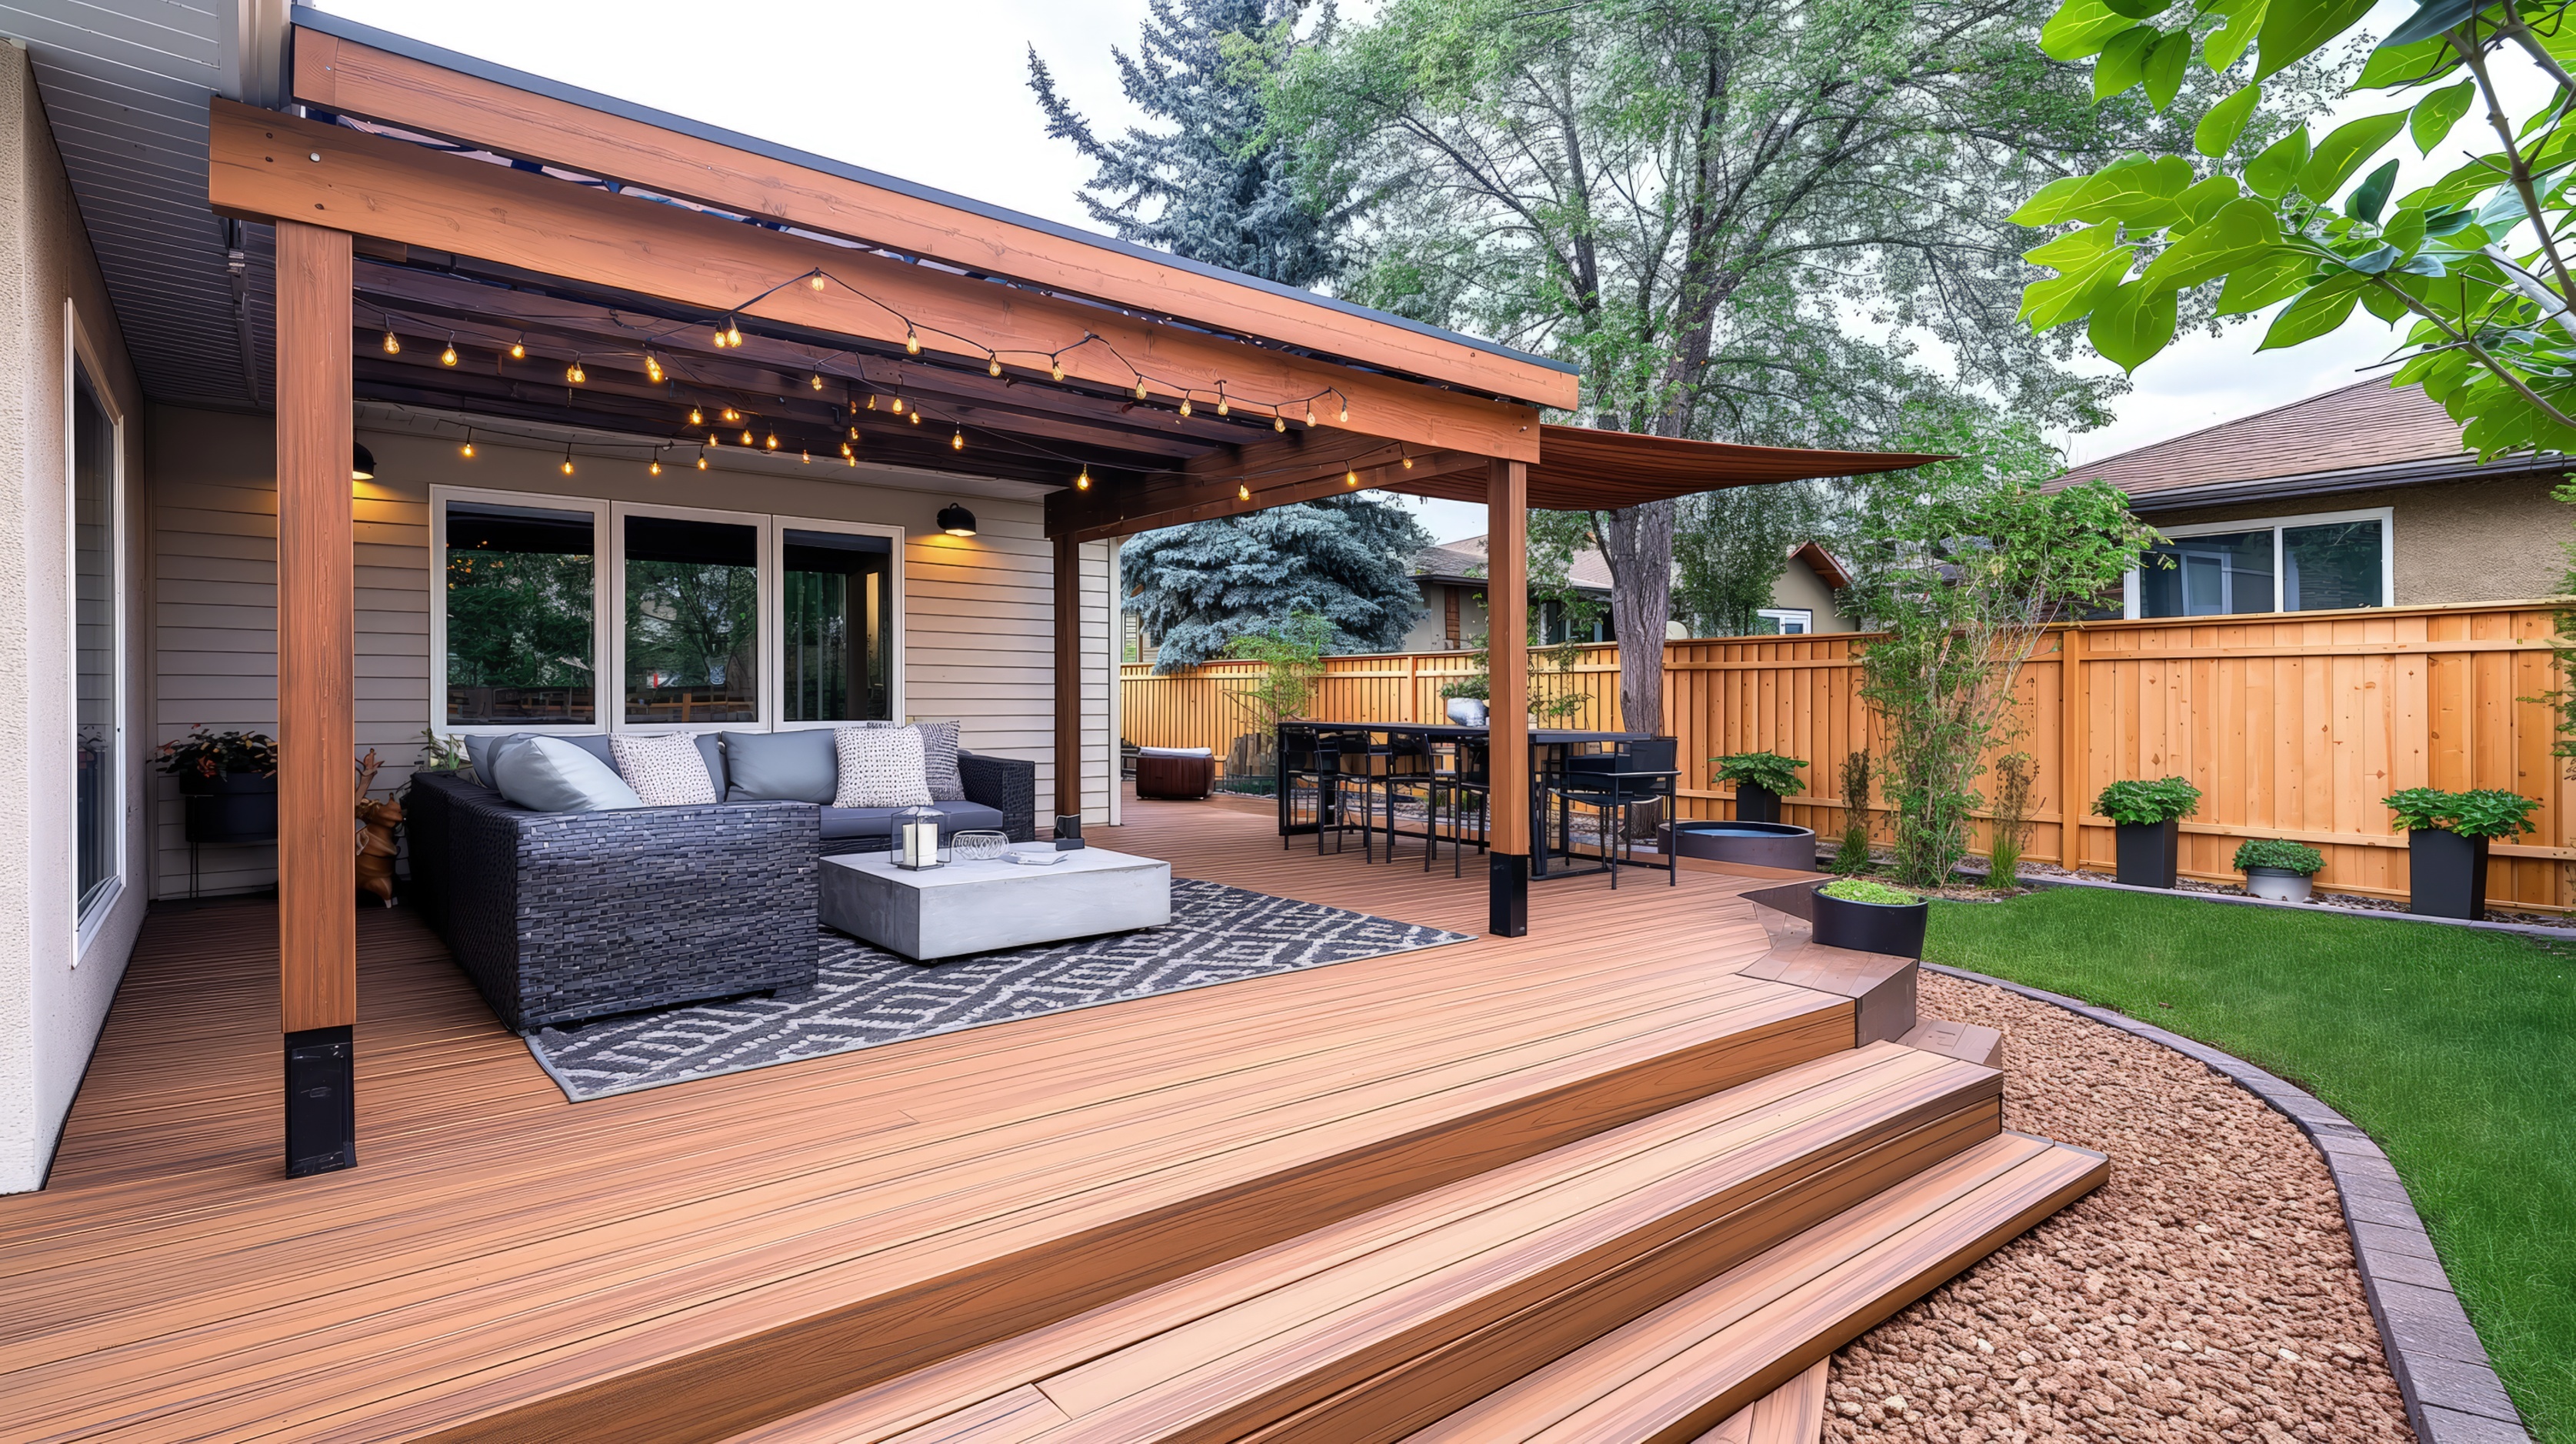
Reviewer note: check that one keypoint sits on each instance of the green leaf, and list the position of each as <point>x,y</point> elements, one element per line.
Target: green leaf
<point>2164,67</point>
<point>2203,200</point>
<point>2243,232</point>
<point>2140,9</point>
<point>2386,304</point>
<point>2123,61</point>
<point>2372,194</point>
<point>2314,314</point>
<point>2467,183</point>
<point>2391,66</point>
<point>2434,115</point>
<point>2086,261</point>
<point>2226,121</point>
<point>2133,323</point>
<point>2080,28</point>
<point>2405,230</point>
<point>2048,205</point>
<point>2142,194</point>
<point>2340,154</point>
<point>2294,29</point>
<point>2271,174</point>
<point>2276,277</point>
<point>2228,42</point>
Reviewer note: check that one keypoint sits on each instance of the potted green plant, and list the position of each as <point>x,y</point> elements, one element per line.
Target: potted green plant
<point>228,785</point>
<point>1870,917</point>
<point>1761,779</point>
<point>2277,868</point>
<point>2148,818</point>
<point>2447,836</point>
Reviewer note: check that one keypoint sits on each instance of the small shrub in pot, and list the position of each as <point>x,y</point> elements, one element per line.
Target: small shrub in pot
<point>228,783</point>
<point>2447,836</point>
<point>1761,779</point>
<point>2148,816</point>
<point>1870,917</point>
<point>2278,869</point>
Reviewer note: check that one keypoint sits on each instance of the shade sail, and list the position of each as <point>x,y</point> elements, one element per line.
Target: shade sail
<point>1581,468</point>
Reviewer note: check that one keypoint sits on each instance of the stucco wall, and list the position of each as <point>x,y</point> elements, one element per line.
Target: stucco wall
<point>1799,586</point>
<point>1430,631</point>
<point>977,614</point>
<point>2471,541</point>
<point>54,991</point>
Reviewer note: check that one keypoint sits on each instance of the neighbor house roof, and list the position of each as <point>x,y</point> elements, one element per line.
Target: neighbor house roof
<point>1463,560</point>
<point>2365,435</point>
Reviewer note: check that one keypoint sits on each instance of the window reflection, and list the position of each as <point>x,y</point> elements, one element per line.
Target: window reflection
<point>2331,566</point>
<point>94,647</point>
<point>838,611</point>
<point>520,615</point>
<point>692,628</point>
<point>2209,576</point>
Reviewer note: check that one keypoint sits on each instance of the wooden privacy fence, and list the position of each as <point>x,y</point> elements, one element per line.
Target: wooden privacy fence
<point>2292,726</point>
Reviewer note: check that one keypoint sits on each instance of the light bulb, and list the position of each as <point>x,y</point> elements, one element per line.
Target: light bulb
<point>732,415</point>
<point>1310,413</point>
<point>817,382</point>
<point>746,436</point>
<point>1242,492</point>
<point>915,416</point>
<point>1055,368</point>
<point>872,401</point>
<point>655,469</point>
<point>392,346</point>
<point>994,366</point>
<point>852,460</point>
<point>697,417</point>
<point>469,450</point>
<point>804,458</point>
<point>518,350</point>
<point>702,459</point>
<point>1185,408</point>
<point>1350,478</point>
<point>714,440</point>
<point>448,356</point>
<point>1222,409</point>
<point>773,441</point>
<point>1083,482</point>
<point>1278,423</point>
<point>1408,463</point>
<point>911,341</point>
<point>652,367</point>
<point>847,449</point>
<point>957,442</point>
<point>898,406</point>
<point>733,334</point>
<point>854,433</point>
<point>1140,388</point>
<point>815,280</point>
<point>1346,412</point>
<point>567,466</point>
<point>574,374</point>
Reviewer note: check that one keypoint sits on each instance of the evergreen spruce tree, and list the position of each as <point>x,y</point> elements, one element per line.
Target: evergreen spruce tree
<point>1347,559</point>
<point>1207,188</point>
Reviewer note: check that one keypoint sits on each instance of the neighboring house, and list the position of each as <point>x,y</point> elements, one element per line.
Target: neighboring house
<point>2360,497</point>
<point>1802,600</point>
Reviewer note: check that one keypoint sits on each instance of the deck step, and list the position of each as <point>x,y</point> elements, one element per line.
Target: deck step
<point>1794,1413</point>
<point>1385,1322</point>
<point>1677,1373</point>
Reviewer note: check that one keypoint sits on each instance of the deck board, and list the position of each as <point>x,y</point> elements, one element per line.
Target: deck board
<point>169,1283</point>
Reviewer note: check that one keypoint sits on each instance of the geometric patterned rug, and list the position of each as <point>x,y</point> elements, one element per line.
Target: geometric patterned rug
<point>865,996</point>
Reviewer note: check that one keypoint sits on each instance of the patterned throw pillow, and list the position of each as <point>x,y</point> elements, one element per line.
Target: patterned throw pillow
<point>939,760</point>
<point>880,767</point>
<point>666,771</point>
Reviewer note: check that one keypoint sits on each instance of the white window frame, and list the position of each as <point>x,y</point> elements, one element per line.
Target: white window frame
<point>2133,603</point>
<point>765,611</point>
<point>600,598</point>
<point>81,360</point>
<point>773,651</point>
<point>1805,617</point>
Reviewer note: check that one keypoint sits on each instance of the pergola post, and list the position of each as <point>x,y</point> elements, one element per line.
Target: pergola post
<point>1068,676</point>
<point>1507,653</point>
<point>316,718</point>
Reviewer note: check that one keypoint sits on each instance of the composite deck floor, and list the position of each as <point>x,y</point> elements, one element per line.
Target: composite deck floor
<point>169,1283</point>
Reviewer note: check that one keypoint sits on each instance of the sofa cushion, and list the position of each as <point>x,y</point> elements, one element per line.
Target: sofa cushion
<point>880,767</point>
<point>550,774</point>
<point>846,823</point>
<point>1174,752</point>
<point>939,761</point>
<point>479,745</point>
<point>666,770</point>
<point>781,766</point>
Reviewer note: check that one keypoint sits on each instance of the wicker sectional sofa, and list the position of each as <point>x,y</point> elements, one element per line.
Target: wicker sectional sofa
<point>561,917</point>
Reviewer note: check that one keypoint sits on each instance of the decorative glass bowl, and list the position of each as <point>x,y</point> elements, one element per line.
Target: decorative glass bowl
<point>978,846</point>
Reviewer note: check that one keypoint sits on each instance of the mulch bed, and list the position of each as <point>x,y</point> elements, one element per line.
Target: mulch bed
<point>2207,1292</point>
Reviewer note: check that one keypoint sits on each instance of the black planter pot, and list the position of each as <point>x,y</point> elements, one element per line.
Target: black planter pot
<point>1756,804</point>
<point>2447,874</point>
<point>1891,928</point>
<point>2149,852</point>
<point>229,811</point>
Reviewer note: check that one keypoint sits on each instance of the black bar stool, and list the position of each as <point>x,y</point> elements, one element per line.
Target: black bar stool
<point>1614,783</point>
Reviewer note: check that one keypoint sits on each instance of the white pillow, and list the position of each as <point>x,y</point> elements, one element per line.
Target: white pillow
<point>548,774</point>
<point>665,771</point>
<point>880,767</point>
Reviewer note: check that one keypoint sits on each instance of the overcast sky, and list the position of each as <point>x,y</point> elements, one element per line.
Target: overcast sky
<point>938,93</point>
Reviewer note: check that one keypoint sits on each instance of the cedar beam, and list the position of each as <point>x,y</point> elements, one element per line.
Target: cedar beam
<point>1162,504</point>
<point>1507,648</point>
<point>1068,677</point>
<point>317,880</point>
<point>263,166</point>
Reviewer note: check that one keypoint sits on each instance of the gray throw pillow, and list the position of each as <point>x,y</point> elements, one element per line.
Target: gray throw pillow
<point>939,761</point>
<point>479,747</point>
<point>782,766</point>
<point>552,774</point>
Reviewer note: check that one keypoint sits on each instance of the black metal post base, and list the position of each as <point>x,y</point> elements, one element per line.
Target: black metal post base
<point>1508,878</point>
<point>321,1101</point>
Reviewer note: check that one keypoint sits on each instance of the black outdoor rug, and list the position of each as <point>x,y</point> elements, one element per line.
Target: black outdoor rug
<point>866,996</point>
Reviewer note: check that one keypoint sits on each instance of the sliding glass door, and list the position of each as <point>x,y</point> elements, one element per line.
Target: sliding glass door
<point>837,613</point>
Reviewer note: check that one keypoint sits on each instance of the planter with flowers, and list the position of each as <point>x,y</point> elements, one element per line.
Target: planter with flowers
<point>2447,835</point>
<point>227,783</point>
<point>1761,779</point>
<point>2148,816</point>
<point>2281,870</point>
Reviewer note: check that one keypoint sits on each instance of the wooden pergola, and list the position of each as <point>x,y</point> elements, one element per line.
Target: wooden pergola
<point>601,266</point>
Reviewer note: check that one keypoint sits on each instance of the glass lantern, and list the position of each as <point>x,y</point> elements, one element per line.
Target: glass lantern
<point>916,837</point>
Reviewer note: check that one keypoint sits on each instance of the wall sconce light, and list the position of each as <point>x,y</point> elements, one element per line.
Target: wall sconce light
<point>956,520</point>
<point>362,463</point>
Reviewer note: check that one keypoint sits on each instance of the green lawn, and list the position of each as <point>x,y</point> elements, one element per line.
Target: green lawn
<point>2454,1049</point>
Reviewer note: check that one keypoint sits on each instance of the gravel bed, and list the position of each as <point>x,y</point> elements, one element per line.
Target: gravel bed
<point>2207,1292</point>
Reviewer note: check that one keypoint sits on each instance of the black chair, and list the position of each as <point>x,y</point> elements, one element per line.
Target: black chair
<point>1461,774</point>
<point>1402,768</point>
<point>1612,784</point>
<point>1347,766</point>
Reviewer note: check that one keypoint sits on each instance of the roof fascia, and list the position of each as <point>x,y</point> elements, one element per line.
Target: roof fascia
<point>2330,483</point>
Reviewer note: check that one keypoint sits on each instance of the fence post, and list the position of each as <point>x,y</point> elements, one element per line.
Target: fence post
<point>1412,684</point>
<point>2071,713</point>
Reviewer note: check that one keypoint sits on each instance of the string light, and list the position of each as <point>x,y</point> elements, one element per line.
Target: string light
<point>804,458</point>
<point>846,456</point>
<point>1222,409</point>
<point>1083,482</point>
<point>702,458</point>
<point>872,401</point>
<point>714,440</point>
<point>817,382</point>
<point>567,462</point>
<point>914,415</point>
<point>1242,492</point>
<point>656,468</point>
<point>1350,478</point>
<point>733,333</point>
<point>392,346</point>
<point>746,436</point>
<point>1278,422</point>
<point>994,365</point>
<point>653,367</point>
<point>469,444</point>
<point>519,349</point>
<point>898,405</point>
<point>815,280</point>
<point>574,374</point>
<point>1185,408</point>
<point>773,441</point>
<point>697,417</point>
<point>1346,410</point>
<point>1055,367</point>
<point>732,415</point>
<point>1408,463</point>
<point>911,341</point>
<point>448,356</point>
<point>848,450</point>
<point>1310,413</point>
<point>854,434</point>
<point>957,442</point>
<point>1140,388</point>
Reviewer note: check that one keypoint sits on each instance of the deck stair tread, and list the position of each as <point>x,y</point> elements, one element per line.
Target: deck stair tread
<point>1794,1413</point>
<point>904,1250</point>
<point>1486,1277</point>
<point>1682,1371</point>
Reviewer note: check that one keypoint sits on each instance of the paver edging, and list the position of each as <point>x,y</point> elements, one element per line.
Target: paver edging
<point>2451,1390</point>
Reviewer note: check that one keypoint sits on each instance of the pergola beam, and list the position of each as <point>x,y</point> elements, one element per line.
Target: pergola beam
<point>1507,709</point>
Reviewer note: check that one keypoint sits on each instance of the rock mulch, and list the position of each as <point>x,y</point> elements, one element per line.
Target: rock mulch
<point>2207,1292</point>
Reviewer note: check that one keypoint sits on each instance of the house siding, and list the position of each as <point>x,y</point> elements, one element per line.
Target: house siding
<point>978,612</point>
<point>2462,541</point>
<point>1799,586</point>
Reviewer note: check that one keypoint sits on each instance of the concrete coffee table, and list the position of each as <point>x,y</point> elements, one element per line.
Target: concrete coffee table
<point>977,907</point>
